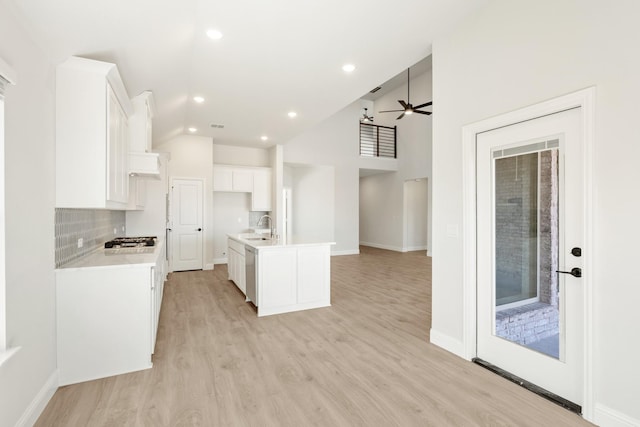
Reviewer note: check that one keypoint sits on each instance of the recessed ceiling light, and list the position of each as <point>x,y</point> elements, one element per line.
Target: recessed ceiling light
<point>348,68</point>
<point>192,130</point>
<point>214,34</point>
<point>264,137</point>
<point>198,99</point>
<point>292,114</point>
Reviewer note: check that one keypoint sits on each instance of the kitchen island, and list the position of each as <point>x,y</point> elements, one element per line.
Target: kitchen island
<point>281,276</point>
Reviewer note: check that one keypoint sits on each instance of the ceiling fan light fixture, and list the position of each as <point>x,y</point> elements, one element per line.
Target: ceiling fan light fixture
<point>408,111</point>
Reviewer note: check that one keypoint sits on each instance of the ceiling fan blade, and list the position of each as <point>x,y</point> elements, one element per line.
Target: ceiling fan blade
<point>426,104</point>
<point>404,104</point>
<point>428,113</point>
<point>400,116</point>
<point>390,111</point>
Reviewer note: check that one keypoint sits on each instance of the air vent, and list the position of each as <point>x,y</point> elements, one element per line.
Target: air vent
<point>375,89</point>
<point>217,126</point>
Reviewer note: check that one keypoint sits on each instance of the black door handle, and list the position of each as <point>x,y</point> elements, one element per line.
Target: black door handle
<point>199,229</point>
<point>575,272</point>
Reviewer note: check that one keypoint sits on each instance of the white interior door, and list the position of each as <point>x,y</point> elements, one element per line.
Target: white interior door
<point>186,227</point>
<point>530,215</point>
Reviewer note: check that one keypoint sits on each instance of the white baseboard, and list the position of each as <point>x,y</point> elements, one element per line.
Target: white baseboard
<point>35,408</point>
<point>220,260</point>
<point>415,248</point>
<point>452,345</point>
<point>350,252</point>
<point>386,247</point>
<point>208,266</point>
<point>605,416</point>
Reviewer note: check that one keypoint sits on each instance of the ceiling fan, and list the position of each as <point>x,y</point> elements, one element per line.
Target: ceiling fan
<point>366,117</point>
<point>407,107</point>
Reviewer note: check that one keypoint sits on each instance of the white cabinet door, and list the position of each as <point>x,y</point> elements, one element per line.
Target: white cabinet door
<point>243,180</point>
<point>261,197</point>
<point>277,277</point>
<point>222,178</point>
<point>241,274</point>
<point>231,264</point>
<point>313,274</point>
<point>117,150</point>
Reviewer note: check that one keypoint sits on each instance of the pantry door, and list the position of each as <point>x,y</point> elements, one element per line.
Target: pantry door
<point>186,224</point>
<point>530,214</point>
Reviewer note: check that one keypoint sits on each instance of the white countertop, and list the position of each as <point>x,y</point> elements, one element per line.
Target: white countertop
<point>295,241</point>
<point>127,257</point>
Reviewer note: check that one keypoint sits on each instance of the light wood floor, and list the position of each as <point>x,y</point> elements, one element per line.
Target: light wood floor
<point>365,361</point>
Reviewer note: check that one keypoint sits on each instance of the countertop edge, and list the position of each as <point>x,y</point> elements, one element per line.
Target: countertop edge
<point>149,260</point>
<point>263,244</point>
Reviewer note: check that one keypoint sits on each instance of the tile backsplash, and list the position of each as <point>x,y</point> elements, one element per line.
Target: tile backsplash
<point>94,227</point>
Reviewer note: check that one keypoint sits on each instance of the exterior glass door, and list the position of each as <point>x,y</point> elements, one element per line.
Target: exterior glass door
<point>529,214</point>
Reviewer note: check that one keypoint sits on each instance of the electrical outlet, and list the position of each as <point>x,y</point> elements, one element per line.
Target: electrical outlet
<point>80,242</point>
<point>115,231</point>
<point>123,228</point>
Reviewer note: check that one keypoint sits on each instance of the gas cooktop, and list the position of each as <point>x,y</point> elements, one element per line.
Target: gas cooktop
<point>130,242</point>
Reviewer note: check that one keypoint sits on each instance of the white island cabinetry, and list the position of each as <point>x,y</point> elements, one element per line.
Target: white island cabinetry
<point>108,306</point>
<point>289,276</point>
<point>236,264</point>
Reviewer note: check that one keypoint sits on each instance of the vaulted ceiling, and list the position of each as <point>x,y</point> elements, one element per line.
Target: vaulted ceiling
<point>275,56</point>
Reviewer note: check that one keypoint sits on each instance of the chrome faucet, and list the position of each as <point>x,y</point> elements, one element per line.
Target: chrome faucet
<point>270,223</point>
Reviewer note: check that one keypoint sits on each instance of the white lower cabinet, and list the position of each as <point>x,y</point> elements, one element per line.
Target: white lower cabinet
<point>236,264</point>
<point>293,278</point>
<point>107,319</point>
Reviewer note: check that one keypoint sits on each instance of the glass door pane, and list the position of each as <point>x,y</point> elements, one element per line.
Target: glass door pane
<point>526,236</point>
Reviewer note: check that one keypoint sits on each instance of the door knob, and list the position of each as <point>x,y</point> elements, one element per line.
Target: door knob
<point>575,272</point>
<point>577,252</point>
<point>199,229</point>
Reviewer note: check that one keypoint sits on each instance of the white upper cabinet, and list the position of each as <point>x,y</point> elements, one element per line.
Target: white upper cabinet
<point>245,179</point>
<point>92,136</point>
<point>261,197</point>
<point>232,178</point>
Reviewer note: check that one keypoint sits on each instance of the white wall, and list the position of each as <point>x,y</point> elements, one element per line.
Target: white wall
<point>244,156</point>
<point>30,376</point>
<point>382,211</point>
<point>416,214</point>
<point>334,142</point>
<point>514,54</point>
<point>152,221</point>
<point>230,216</point>
<point>312,189</point>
